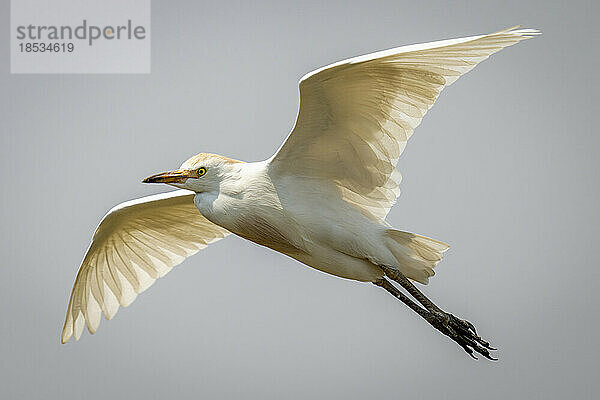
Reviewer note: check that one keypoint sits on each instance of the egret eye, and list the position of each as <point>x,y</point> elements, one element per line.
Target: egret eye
<point>201,171</point>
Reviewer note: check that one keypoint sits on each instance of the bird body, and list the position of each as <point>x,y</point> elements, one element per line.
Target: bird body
<point>317,231</point>
<point>322,231</point>
<point>322,199</point>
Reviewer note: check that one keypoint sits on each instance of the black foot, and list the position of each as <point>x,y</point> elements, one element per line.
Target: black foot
<point>462,332</point>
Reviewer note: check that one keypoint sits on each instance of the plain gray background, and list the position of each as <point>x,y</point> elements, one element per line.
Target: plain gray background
<point>503,168</point>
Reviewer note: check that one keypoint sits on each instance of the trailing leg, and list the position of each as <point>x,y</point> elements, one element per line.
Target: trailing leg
<point>462,332</point>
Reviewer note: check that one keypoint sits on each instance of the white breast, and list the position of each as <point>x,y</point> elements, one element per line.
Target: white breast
<point>250,207</point>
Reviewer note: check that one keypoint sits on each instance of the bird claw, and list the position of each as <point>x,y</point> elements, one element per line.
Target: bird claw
<point>461,331</point>
<point>464,333</point>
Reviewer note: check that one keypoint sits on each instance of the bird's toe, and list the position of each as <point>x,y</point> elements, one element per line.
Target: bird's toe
<point>464,333</point>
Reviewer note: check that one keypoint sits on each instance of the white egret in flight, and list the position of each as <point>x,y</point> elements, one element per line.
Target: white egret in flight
<point>321,199</point>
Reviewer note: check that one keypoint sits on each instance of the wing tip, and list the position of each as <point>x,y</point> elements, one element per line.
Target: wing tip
<point>525,33</point>
<point>91,329</point>
<point>67,334</point>
<point>67,330</point>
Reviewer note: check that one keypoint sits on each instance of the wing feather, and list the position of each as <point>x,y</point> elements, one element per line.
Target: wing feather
<point>356,115</point>
<point>136,243</point>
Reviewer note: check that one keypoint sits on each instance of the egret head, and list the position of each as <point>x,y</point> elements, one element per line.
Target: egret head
<point>204,172</point>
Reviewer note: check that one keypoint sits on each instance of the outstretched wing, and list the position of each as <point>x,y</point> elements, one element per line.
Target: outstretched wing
<point>136,243</point>
<point>356,115</point>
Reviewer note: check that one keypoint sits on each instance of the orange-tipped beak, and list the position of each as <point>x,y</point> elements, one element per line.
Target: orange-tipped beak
<point>177,176</point>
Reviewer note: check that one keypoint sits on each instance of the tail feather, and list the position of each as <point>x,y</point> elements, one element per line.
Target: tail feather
<point>416,255</point>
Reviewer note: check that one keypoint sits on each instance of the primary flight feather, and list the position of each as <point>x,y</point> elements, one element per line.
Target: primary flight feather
<point>321,199</point>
